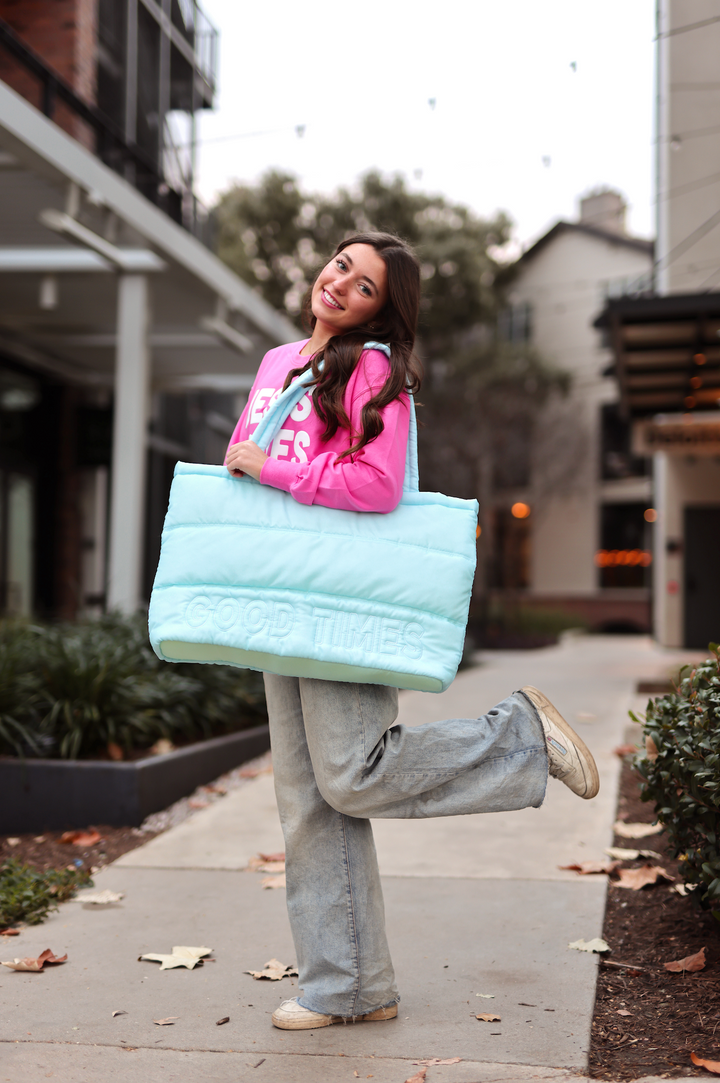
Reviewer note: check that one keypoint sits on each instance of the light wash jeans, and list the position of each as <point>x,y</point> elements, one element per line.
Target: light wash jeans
<point>338,759</point>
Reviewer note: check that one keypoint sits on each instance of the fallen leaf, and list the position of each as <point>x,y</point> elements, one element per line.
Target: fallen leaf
<point>39,838</point>
<point>182,956</point>
<point>356,1074</point>
<point>690,962</point>
<point>636,831</point>
<point>169,1022</point>
<point>711,1065</point>
<point>272,866</point>
<point>635,879</point>
<point>253,772</point>
<point>80,838</point>
<point>35,965</point>
<point>588,868</point>
<point>597,945</point>
<point>487,1017</point>
<point>225,1019</point>
<point>114,751</point>
<point>486,996</point>
<point>623,1011</point>
<point>9,932</point>
<point>274,970</point>
<point>434,1061</point>
<point>683,889</point>
<point>197,803</point>
<point>270,882</point>
<point>100,898</point>
<point>12,841</point>
<point>621,854</point>
<point>119,1012</point>
<point>266,863</point>
<point>215,787</point>
<point>419,1077</point>
<point>625,750</point>
<point>280,856</point>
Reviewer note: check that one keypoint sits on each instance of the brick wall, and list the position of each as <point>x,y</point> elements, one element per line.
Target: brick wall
<point>63,33</point>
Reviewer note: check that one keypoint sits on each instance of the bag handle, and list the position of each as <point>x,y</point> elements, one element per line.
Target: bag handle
<point>277,412</point>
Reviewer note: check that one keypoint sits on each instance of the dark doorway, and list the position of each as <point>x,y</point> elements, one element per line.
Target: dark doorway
<point>702,577</point>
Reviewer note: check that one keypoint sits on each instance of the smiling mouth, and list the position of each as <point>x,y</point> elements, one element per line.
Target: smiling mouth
<point>329,299</point>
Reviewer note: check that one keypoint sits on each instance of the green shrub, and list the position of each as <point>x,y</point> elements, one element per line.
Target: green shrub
<point>28,894</point>
<point>684,778</point>
<point>69,690</point>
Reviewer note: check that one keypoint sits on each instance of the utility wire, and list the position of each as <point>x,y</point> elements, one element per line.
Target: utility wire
<point>690,26</point>
<point>689,241</point>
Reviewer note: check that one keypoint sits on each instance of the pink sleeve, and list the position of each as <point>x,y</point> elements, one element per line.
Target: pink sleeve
<point>372,479</point>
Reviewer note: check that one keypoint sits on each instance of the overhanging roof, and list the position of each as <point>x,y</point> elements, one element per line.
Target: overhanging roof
<point>75,335</point>
<point>667,351</point>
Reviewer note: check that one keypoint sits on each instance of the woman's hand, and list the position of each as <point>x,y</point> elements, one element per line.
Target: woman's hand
<point>245,458</point>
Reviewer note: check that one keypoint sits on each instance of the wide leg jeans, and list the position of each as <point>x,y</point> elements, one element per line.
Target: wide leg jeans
<point>338,760</point>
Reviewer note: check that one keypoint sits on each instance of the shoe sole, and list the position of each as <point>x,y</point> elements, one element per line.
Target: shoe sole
<point>541,701</point>
<point>304,1024</point>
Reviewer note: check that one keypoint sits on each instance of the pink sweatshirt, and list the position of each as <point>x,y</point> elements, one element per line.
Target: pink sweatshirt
<point>305,465</point>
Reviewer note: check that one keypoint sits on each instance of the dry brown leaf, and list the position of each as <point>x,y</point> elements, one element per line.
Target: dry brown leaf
<point>434,1061</point>
<point>35,965</point>
<point>636,831</point>
<point>588,868</point>
<point>12,841</point>
<point>120,1011</point>
<point>711,1065</point>
<point>100,898</point>
<point>488,1017</point>
<point>279,856</point>
<point>88,837</point>
<point>9,932</point>
<point>274,970</point>
<point>197,803</point>
<point>619,853</point>
<point>595,945</point>
<point>635,879</point>
<point>270,882</point>
<point>623,1011</point>
<point>690,962</point>
<point>225,1019</point>
<point>419,1077</point>
<point>272,866</point>
<point>169,1022</point>
<point>181,956</point>
<point>625,750</point>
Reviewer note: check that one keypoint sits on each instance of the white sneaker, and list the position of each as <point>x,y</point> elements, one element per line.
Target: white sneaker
<point>292,1016</point>
<point>570,760</point>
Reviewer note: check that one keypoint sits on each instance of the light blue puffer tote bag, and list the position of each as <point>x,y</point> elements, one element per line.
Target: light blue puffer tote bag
<point>248,577</point>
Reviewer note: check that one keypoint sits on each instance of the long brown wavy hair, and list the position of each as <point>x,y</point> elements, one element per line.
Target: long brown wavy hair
<point>394,325</point>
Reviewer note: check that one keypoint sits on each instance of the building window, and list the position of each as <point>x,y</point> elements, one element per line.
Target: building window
<point>515,323</point>
<point>625,556</point>
<point>511,563</point>
<point>616,457</point>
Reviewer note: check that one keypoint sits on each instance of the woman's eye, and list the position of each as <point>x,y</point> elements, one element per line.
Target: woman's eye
<point>365,289</point>
<point>341,264</point>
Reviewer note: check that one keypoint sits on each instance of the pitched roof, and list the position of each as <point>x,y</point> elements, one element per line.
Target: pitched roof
<point>606,235</point>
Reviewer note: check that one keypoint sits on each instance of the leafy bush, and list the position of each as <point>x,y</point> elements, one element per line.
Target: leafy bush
<point>28,894</point>
<point>681,772</point>
<point>69,690</point>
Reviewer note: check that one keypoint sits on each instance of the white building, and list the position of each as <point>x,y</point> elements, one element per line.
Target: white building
<point>667,347</point>
<point>587,493</point>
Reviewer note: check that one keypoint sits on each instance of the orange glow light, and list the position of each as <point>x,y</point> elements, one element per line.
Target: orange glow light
<point>614,558</point>
<point>478,532</point>
<point>650,515</point>
<point>689,402</point>
<point>700,359</point>
<point>696,381</point>
<point>520,510</point>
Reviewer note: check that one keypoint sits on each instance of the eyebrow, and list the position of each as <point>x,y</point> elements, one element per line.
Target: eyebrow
<point>348,259</point>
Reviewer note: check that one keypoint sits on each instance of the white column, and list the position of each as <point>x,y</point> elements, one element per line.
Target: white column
<point>129,452</point>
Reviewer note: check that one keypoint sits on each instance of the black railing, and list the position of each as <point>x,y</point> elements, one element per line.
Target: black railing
<point>134,164</point>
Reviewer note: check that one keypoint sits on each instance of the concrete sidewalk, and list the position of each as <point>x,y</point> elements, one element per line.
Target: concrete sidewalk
<point>476,905</point>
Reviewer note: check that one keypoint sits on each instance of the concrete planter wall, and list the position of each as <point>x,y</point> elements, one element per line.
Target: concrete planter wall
<point>53,795</point>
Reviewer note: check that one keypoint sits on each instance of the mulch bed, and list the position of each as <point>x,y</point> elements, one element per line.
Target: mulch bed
<point>47,852</point>
<point>671,1015</point>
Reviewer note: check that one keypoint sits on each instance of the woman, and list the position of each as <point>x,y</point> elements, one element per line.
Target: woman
<point>338,758</point>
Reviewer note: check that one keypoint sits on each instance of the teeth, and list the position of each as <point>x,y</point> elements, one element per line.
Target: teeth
<point>331,300</point>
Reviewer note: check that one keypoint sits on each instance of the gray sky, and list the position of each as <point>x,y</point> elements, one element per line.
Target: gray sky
<point>514,82</point>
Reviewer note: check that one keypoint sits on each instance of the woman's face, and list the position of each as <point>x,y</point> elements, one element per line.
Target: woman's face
<point>350,290</point>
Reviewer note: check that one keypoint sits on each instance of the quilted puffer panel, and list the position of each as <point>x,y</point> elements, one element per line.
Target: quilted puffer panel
<point>247,575</point>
